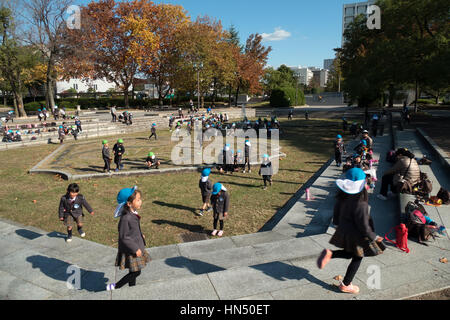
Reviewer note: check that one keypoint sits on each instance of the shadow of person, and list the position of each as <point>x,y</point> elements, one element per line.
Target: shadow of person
<point>59,270</point>
<point>196,267</point>
<point>282,271</point>
<point>174,206</point>
<point>190,227</point>
<point>27,234</point>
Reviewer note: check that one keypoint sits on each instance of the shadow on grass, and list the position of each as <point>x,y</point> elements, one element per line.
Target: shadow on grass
<point>96,169</point>
<point>175,206</point>
<point>59,270</point>
<point>190,227</point>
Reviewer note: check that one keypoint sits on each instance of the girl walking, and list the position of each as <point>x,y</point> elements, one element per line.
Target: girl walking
<point>132,254</point>
<point>355,230</point>
<point>220,201</point>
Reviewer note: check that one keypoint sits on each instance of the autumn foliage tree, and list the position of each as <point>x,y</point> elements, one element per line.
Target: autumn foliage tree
<point>115,40</point>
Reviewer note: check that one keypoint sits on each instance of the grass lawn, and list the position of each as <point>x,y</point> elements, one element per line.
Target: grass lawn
<point>169,200</point>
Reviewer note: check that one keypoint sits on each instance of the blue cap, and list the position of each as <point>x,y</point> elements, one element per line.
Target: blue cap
<point>206,172</point>
<point>265,156</point>
<point>216,188</point>
<point>339,136</point>
<point>355,180</point>
<point>125,194</point>
<point>355,174</point>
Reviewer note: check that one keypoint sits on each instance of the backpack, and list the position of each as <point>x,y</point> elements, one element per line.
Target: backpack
<point>401,242</point>
<point>424,187</point>
<point>444,195</point>
<point>390,157</point>
<point>410,208</point>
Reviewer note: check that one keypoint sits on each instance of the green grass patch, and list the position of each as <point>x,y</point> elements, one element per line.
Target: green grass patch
<point>169,200</point>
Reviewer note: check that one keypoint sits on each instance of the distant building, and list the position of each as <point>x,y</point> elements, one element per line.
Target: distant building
<point>83,85</point>
<point>304,74</point>
<point>321,77</point>
<point>328,64</point>
<point>351,10</point>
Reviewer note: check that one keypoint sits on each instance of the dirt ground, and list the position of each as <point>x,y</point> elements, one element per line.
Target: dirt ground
<point>437,128</point>
<point>440,295</point>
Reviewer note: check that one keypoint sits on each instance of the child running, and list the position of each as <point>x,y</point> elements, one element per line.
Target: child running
<point>220,201</point>
<point>206,188</point>
<point>132,254</point>
<point>71,210</point>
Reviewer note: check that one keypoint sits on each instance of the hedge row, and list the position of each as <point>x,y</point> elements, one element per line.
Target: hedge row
<point>286,97</point>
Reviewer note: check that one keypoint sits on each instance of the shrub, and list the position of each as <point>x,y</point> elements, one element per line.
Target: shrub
<point>286,97</point>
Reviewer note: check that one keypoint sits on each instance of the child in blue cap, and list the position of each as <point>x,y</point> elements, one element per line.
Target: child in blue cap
<point>220,201</point>
<point>339,150</point>
<point>266,171</point>
<point>132,254</point>
<point>153,132</point>
<point>206,188</point>
<point>355,234</point>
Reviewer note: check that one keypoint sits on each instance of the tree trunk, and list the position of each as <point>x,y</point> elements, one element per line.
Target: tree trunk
<point>391,96</point>
<point>417,96</point>
<point>126,98</point>
<point>237,94</point>
<point>229,97</point>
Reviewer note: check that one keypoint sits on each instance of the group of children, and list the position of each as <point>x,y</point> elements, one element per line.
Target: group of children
<point>119,150</point>
<point>362,157</point>
<point>73,130</point>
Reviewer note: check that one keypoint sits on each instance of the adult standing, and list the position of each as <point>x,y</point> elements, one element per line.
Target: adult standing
<point>355,233</point>
<point>114,114</point>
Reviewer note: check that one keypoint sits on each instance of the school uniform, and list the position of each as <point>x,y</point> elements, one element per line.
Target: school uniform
<point>78,124</point>
<point>152,161</point>
<point>72,209</point>
<point>106,158</point>
<point>206,188</point>
<point>221,204</point>
<point>339,149</point>
<point>247,157</point>
<point>130,241</point>
<point>266,171</point>
<point>118,158</point>
<point>153,131</point>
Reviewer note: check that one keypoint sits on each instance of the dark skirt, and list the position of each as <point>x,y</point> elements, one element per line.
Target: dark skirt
<point>133,263</point>
<point>359,247</point>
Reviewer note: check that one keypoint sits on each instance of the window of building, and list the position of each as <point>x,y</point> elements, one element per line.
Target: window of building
<point>349,11</point>
<point>362,10</point>
<point>75,86</point>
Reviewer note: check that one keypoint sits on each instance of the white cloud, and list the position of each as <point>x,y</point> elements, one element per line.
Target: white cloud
<point>278,35</point>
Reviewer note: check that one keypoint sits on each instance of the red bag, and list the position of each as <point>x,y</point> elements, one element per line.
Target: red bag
<point>402,237</point>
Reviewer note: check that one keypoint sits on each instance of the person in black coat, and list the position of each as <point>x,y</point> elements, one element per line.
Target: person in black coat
<point>266,170</point>
<point>132,254</point>
<point>355,229</point>
<point>206,187</point>
<point>119,150</point>
<point>71,210</point>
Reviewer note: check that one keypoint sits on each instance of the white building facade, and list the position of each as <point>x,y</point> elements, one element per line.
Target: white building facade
<point>351,10</point>
<point>304,74</point>
<point>83,85</point>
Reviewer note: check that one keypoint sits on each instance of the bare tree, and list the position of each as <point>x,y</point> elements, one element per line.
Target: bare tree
<point>44,28</point>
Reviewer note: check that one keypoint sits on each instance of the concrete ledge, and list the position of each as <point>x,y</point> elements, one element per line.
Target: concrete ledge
<point>441,155</point>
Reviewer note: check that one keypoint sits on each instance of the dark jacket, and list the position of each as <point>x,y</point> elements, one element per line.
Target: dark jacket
<point>105,154</point>
<point>75,208</point>
<point>118,149</point>
<point>152,161</point>
<point>339,147</point>
<point>130,234</point>
<point>354,225</point>
<point>247,151</point>
<point>220,203</point>
<point>266,169</point>
<point>205,187</point>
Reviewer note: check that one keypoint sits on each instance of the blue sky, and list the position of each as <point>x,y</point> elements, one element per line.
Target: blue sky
<point>300,32</point>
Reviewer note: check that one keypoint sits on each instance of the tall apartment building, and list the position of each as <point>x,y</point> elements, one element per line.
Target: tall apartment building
<point>328,64</point>
<point>351,10</point>
<point>304,74</point>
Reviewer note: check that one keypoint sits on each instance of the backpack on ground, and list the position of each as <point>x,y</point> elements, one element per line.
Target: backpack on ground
<point>424,187</point>
<point>401,242</point>
<point>444,195</point>
<point>410,208</point>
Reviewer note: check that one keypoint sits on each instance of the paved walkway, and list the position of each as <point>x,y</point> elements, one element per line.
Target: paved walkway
<point>278,264</point>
